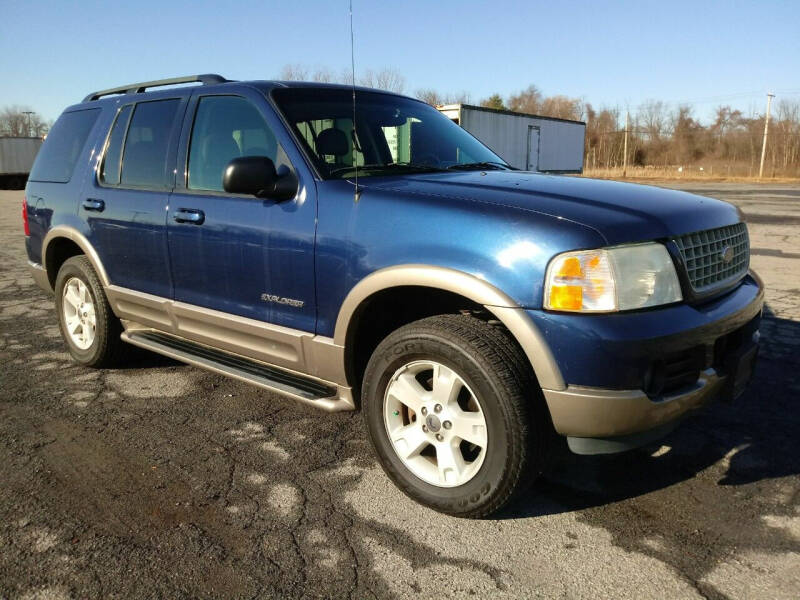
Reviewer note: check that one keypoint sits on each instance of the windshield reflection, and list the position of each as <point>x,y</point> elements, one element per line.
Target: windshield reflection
<point>392,134</point>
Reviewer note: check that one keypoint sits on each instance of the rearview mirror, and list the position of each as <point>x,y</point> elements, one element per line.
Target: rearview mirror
<point>256,176</point>
<point>391,118</point>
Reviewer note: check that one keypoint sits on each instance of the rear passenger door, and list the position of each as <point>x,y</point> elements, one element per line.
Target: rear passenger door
<point>241,255</point>
<point>125,205</point>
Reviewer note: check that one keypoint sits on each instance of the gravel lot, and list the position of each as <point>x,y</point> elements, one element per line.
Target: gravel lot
<point>165,481</point>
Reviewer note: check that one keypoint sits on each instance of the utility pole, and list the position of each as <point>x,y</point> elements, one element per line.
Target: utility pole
<point>29,113</point>
<point>625,148</point>
<point>766,132</point>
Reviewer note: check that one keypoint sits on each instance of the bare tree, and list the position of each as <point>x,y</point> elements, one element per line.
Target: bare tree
<point>462,97</point>
<point>788,131</point>
<point>294,72</point>
<point>386,79</point>
<point>323,75</point>
<point>603,142</point>
<point>430,96</point>
<point>652,117</point>
<point>528,100</point>
<point>561,107</point>
<point>435,98</point>
<point>21,121</point>
<point>686,135</point>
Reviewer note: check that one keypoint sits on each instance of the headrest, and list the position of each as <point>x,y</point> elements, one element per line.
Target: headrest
<point>332,141</point>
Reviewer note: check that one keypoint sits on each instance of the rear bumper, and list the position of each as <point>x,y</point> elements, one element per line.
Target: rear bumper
<point>614,415</point>
<point>39,275</point>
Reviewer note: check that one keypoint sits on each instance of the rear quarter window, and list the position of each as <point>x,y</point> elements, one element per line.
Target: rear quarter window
<point>144,157</point>
<point>63,145</point>
<point>109,171</point>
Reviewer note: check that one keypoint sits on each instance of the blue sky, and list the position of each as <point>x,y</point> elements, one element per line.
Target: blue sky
<point>609,53</point>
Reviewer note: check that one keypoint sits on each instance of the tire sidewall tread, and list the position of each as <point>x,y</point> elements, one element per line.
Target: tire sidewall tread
<point>493,366</point>
<point>107,349</point>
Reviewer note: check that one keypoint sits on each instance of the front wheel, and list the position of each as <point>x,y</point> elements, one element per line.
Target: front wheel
<point>453,414</point>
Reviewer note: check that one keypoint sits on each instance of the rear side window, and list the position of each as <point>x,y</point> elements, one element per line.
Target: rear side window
<point>109,172</point>
<point>144,156</point>
<point>62,148</point>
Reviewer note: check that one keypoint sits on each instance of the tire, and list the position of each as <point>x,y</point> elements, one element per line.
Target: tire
<point>105,348</point>
<point>492,379</point>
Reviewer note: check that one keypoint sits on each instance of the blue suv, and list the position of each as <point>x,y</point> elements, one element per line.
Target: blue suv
<point>349,248</point>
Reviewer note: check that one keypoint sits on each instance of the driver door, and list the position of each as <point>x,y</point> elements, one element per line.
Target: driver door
<point>239,255</point>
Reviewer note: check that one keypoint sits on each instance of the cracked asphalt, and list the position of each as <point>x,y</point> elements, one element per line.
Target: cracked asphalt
<point>164,481</point>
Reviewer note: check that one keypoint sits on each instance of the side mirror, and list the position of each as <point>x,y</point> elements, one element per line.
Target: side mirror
<point>256,176</point>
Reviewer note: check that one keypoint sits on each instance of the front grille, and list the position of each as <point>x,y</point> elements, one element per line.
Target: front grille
<point>703,252</point>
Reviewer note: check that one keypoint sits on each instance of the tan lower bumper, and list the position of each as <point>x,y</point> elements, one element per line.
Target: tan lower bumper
<point>40,276</point>
<point>593,412</point>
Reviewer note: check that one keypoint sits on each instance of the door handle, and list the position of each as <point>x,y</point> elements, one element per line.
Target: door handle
<point>94,204</point>
<point>189,215</point>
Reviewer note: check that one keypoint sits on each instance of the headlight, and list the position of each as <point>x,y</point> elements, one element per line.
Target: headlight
<point>611,279</point>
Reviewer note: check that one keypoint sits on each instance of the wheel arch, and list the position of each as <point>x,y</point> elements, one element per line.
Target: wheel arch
<point>60,244</point>
<point>474,291</point>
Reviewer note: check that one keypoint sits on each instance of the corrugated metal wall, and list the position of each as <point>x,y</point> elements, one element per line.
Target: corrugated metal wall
<point>561,145</point>
<point>560,142</point>
<point>17,154</point>
<point>507,135</point>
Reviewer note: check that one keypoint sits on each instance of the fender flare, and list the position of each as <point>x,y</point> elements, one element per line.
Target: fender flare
<point>508,312</point>
<point>72,234</point>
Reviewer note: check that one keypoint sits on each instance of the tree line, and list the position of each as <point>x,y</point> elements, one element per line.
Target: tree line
<point>671,137</point>
<point>660,135</point>
<point>22,121</point>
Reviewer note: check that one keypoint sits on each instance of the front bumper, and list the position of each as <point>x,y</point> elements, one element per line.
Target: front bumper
<point>595,412</point>
<point>622,352</point>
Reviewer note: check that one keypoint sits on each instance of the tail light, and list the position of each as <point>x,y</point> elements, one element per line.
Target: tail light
<point>25,224</point>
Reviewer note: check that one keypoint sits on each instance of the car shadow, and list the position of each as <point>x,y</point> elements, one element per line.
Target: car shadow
<point>754,438</point>
<point>140,358</point>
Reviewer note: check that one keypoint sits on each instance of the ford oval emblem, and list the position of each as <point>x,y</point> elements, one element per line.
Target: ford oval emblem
<point>727,255</point>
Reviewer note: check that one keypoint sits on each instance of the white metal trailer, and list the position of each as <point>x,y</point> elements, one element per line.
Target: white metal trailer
<point>527,142</point>
<point>16,159</point>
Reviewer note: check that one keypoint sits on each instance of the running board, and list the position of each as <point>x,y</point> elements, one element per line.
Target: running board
<point>306,389</point>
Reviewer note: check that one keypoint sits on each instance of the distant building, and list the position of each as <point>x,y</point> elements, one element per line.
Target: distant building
<point>527,142</point>
<point>16,159</point>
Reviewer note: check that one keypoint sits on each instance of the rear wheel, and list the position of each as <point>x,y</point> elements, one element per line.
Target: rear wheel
<point>88,326</point>
<point>454,414</point>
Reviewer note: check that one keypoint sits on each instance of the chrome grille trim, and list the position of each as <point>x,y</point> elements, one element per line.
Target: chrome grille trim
<point>702,251</point>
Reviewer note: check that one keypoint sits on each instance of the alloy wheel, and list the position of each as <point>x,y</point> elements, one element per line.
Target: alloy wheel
<point>79,314</point>
<point>435,423</point>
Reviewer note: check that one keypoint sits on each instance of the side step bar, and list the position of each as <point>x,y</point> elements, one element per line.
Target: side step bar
<point>296,386</point>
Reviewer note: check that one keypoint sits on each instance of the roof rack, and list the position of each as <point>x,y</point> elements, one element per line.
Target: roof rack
<point>138,88</point>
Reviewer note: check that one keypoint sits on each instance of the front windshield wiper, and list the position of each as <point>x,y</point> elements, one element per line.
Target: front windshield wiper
<point>387,167</point>
<point>497,166</point>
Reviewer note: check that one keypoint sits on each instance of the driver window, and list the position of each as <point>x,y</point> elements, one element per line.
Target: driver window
<point>227,127</point>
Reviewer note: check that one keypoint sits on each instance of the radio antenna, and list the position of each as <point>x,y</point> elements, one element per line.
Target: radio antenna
<point>353,84</point>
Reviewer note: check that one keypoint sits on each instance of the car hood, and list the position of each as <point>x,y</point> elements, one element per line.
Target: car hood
<point>620,212</point>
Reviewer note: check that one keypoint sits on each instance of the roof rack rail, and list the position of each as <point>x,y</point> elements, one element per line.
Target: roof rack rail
<point>138,88</point>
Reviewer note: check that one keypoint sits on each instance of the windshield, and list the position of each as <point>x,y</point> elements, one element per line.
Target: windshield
<point>393,134</point>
